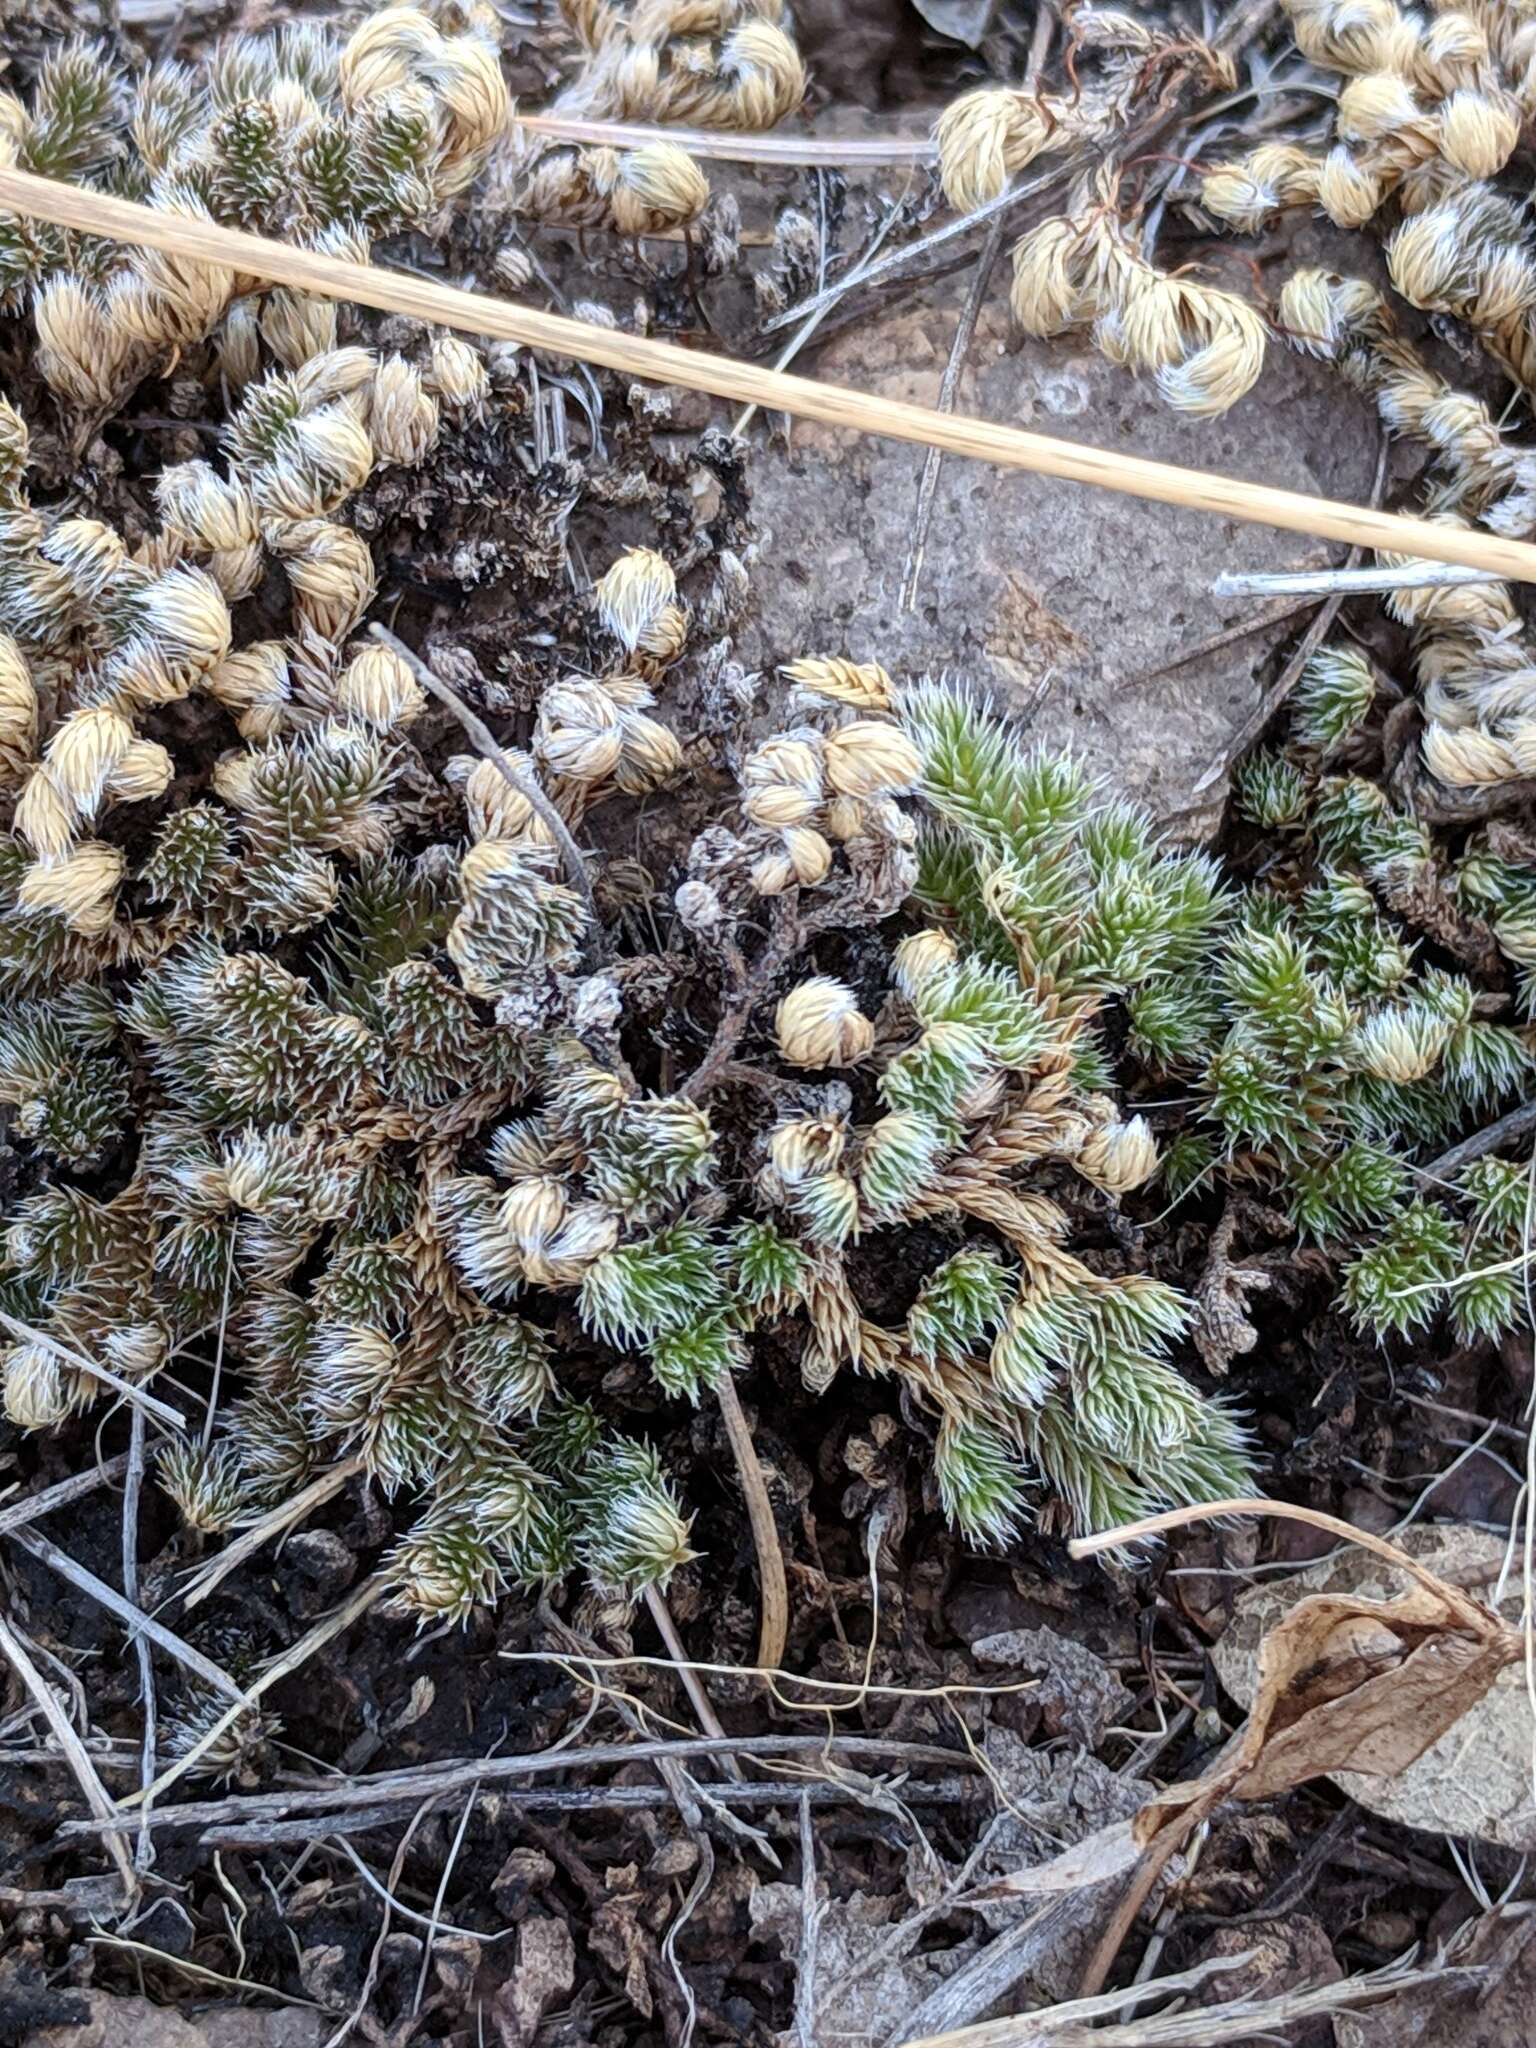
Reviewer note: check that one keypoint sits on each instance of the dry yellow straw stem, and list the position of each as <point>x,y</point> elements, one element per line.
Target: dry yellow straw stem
<point>834,405</point>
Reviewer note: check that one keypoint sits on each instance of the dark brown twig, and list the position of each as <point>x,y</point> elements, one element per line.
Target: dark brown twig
<point>1227,638</point>
<point>749,986</point>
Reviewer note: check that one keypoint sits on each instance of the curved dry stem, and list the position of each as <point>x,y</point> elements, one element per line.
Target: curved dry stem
<point>773,1625</point>
<point>1472,1612</point>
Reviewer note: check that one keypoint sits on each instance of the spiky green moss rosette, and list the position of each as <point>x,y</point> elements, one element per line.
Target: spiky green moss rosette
<point>311,1152</point>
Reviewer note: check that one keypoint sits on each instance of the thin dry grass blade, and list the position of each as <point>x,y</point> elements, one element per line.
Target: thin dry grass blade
<point>161,1410</point>
<point>250,1540</point>
<point>834,405</point>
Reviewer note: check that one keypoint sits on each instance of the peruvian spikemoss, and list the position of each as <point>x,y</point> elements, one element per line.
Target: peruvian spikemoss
<point>369,1177</point>
<point>319,1060</point>
<point>294,1122</point>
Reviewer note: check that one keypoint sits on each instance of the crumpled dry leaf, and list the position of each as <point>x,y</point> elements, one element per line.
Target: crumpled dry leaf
<point>1078,1694</point>
<point>545,1973</point>
<point>1472,1779</point>
<point>1341,1684</point>
<point>1346,1683</point>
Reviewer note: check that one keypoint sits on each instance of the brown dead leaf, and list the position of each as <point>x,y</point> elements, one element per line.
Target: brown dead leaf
<point>619,1938</point>
<point>1475,1779</point>
<point>1351,1684</point>
<point>1343,1682</point>
<point>545,1973</point>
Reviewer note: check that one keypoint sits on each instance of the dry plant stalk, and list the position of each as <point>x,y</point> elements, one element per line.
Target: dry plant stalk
<point>331,277</point>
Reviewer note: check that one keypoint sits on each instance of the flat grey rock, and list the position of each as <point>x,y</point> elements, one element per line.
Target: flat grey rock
<point>1066,603</point>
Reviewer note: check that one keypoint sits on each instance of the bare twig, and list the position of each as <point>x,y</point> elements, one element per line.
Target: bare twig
<point>457,1773</point>
<point>812,1913</point>
<point>144,1851</point>
<point>1238,2019</point>
<point>33,1506</point>
<point>988,1977</point>
<point>249,1541</point>
<point>371,1591</point>
<point>335,2039</point>
<point>1228,637</point>
<point>333,277</point>
<point>486,742</point>
<point>308,1827</point>
<point>1317,631</point>
<point>703,1877</point>
<point>693,1685</point>
<point>96,1796</point>
<point>826,300</point>
<point>198,1972</point>
<point>960,348</point>
<point>439,1925</point>
<point>1509,1130</point>
<point>910,253</point>
<point>1345,582</point>
<point>441,1893</point>
<point>1155,1858</point>
<point>1131,1533</point>
<point>842,152</point>
<point>994,2033</point>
